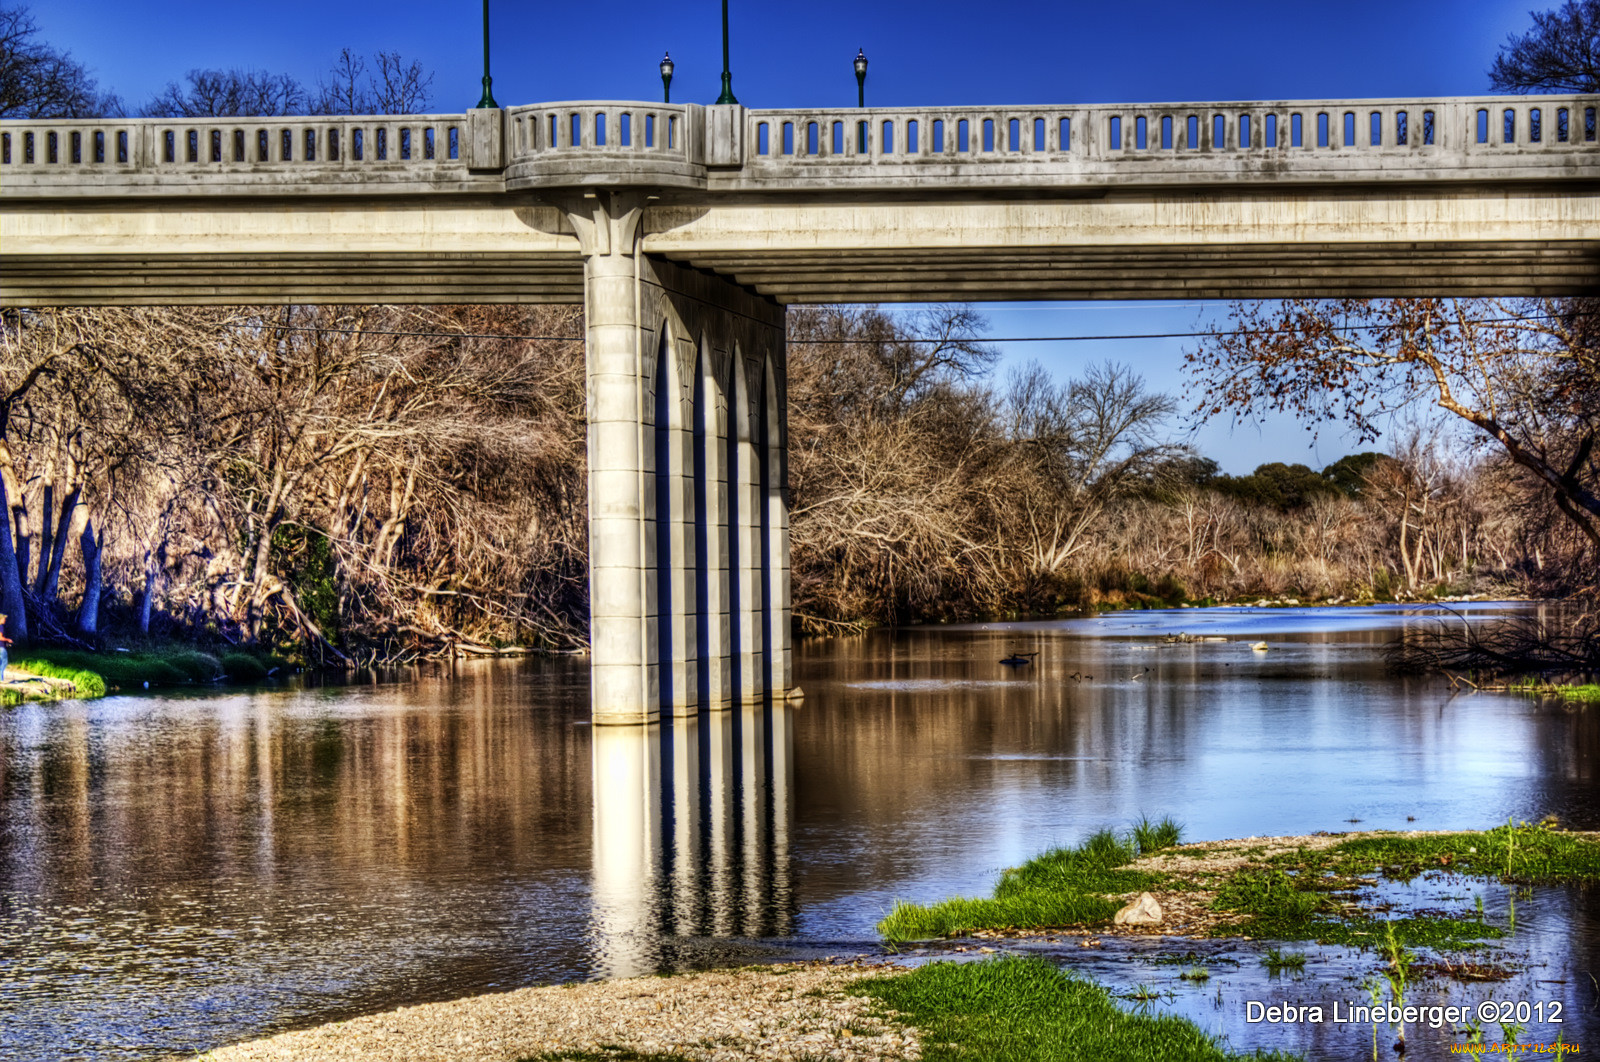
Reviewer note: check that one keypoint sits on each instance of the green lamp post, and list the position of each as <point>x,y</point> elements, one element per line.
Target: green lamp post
<point>488,96</point>
<point>666,77</point>
<point>727,75</point>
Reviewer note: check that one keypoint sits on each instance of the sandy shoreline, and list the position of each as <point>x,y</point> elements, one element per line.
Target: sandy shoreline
<point>791,1011</point>
<point>788,1012</point>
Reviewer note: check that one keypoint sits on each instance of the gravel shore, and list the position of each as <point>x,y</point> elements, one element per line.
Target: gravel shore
<point>780,1012</point>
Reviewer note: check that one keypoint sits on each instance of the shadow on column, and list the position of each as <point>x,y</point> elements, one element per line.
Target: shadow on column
<point>691,838</point>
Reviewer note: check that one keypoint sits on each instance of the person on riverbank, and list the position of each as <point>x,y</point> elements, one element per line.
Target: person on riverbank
<point>5,643</point>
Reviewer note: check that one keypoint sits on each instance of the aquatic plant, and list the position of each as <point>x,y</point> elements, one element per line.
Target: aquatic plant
<point>1153,836</point>
<point>1276,960</point>
<point>1397,973</point>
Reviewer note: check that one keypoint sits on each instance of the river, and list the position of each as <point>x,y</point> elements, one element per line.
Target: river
<point>179,871</point>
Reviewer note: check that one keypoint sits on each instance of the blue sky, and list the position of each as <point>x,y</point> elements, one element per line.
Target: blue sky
<point>793,54</point>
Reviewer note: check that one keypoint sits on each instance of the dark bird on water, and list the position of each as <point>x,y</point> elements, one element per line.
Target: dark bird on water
<point>1018,659</point>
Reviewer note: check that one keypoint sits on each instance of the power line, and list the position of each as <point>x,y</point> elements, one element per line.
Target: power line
<point>894,339</point>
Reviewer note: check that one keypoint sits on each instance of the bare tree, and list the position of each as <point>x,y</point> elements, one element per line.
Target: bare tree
<point>1560,54</point>
<point>1069,450</point>
<point>396,87</point>
<point>38,81</point>
<point>1524,374</point>
<point>228,93</point>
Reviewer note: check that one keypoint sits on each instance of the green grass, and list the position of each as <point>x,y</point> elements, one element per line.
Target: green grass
<point>89,683</point>
<point>1587,693</point>
<point>1275,960</point>
<point>1025,1010</point>
<point>952,917</point>
<point>1151,837</point>
<point>1062,887</point>
<point>1293,897</point>
<point>1520,853</point>
<point>1298,907</point>
<point>97,674</point>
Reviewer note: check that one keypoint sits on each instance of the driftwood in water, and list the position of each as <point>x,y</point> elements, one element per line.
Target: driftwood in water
<point>1567,641</point>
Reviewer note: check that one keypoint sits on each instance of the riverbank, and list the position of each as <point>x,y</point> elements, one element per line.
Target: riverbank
<point>952,1000</point>
<point>1322,887</point>
<point>43,674</point>
<point>1005,1008</point>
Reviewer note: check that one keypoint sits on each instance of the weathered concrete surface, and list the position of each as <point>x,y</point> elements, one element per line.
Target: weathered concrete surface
<point>1457,196</point>
<point>681,543</point>
<point>1299,242</point>
<point>685,229</point>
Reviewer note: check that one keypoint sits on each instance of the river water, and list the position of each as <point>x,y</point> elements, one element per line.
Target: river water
<point>183,871</point>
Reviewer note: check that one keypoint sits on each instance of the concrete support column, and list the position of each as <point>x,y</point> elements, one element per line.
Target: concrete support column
<point>624,682</point>
<point>688,542</point>
<point>675,532</point>
<point>780,652</point>
<point>711,492</point>
<point>746,456</point>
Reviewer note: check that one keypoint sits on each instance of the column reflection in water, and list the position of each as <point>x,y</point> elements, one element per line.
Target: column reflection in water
<point>691,835</point>
<point>627,847</point>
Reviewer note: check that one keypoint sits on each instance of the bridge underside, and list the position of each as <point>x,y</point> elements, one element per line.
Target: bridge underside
<point>1479,240</point>
<point>1362,270</point>
<point>684,310</point>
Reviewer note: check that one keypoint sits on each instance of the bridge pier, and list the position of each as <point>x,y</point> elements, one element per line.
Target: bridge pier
<point>688,512</point>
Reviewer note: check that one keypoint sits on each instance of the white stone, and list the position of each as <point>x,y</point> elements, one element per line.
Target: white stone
<point>1144,911</point>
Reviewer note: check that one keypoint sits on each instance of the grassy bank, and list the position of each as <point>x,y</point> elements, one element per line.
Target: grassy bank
<point>1062,887</point>
<point>1587,693</point>
<point>1297,895</point>
<point>1008,1009</point>
<point>1301,889</point>
<point>1026,1010</point>
<point>94,674</point>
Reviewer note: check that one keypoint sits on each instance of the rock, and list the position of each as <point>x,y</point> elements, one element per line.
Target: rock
<point>1141,912</point>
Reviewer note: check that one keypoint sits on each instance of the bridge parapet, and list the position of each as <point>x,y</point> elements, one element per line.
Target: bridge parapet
<point>317,155</point>
<point>606,144</point>
<point>1177,143</point>
<point>622,144</point>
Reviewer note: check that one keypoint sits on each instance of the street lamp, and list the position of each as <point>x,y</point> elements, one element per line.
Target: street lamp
<point>727,76</point>
<point>861,98</point>
<point>666,78</point>
<point>488,97</point>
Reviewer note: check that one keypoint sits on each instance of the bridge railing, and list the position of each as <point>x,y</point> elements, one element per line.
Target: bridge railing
<point>1109,133</point>
<point>606,126</point>
<point>420,146</point>
<point>628,143</point>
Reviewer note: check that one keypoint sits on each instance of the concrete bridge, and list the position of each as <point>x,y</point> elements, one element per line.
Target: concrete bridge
<point>685,230</point>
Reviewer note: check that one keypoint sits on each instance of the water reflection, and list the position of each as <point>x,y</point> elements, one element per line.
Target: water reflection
<point>691,834</point>
<point>182,871</point>
<point>692,824</point>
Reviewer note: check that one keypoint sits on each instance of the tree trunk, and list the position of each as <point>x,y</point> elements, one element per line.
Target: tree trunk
<point>1405,553</point>
<point>47,526</point>
<point>146,597</point>
<point>51,579</point>
<point>89,611</point>
<point>12,602</point>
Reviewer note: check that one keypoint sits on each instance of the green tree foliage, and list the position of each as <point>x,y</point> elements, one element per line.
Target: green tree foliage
<point>1349,473</point>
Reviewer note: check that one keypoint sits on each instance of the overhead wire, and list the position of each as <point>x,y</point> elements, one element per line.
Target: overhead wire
<point>860,341</point>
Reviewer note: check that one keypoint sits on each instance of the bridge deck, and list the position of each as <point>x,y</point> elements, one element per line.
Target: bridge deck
<point>1360,197</point>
